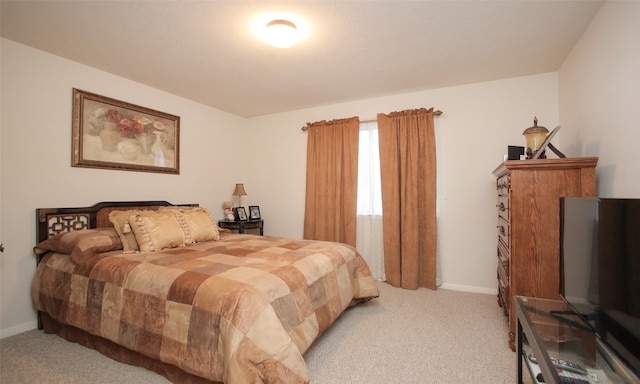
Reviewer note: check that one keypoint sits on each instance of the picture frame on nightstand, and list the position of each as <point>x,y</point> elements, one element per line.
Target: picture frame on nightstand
<point>241,214</point>
<point>254,212</point>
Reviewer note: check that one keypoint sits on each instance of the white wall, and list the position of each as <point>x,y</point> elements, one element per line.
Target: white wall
<point>478,122</point>
<point>599,88</point>
<point>36,167</point>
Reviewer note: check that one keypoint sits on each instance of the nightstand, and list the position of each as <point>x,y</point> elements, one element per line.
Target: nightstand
<point>241,226</point>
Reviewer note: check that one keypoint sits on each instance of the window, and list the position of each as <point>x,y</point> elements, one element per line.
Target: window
<point>369,239</point>
<point>369,187</point>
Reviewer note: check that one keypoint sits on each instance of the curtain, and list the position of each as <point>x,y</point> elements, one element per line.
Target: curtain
<point>408,174</point>
<point>331,187</point>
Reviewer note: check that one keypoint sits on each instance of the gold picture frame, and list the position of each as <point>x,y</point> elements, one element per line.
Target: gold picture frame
<point>113,134</point>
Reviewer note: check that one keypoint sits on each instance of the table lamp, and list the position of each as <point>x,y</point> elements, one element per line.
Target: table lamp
<point>239,191</point>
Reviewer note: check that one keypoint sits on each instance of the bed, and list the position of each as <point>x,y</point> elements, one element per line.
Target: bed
<point>161,286</point>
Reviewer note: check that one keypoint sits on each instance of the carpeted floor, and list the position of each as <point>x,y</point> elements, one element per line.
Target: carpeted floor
<point>404,336</point>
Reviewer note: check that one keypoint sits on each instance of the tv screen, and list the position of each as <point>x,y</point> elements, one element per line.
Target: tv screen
<point>600,270</point>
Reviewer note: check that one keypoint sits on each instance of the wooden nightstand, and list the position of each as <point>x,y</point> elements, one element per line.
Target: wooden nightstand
<point>241,226</point>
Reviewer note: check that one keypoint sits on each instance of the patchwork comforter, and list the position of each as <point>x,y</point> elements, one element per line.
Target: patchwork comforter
<point>243,309</point>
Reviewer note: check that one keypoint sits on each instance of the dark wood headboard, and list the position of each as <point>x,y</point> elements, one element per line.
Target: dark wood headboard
<point>52,221</point>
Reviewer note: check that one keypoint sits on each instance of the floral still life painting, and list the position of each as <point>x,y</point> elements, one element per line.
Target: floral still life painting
<point>113,134</point>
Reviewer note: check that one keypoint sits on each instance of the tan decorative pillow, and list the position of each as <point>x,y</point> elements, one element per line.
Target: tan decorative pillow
<point>197,225</point>
<point>81,245</point>
<point>120,221</point>
<point>156,231</point>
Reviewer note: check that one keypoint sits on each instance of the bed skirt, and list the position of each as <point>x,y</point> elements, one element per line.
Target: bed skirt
<point>119,353</point>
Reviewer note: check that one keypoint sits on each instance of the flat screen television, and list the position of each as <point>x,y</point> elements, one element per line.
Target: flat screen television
<point>600,274</point>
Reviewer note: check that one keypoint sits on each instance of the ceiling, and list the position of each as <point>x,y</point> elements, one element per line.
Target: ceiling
<point>206,51</point>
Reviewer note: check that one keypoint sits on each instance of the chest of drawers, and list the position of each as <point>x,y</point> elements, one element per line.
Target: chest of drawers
<point>528,225</point>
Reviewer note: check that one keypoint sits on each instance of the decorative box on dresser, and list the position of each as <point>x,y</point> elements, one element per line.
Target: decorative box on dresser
<point>528,246</point>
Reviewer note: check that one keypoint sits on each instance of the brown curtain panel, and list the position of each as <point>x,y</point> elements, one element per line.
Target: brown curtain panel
<point>408,175</point>
<point>332,180</point>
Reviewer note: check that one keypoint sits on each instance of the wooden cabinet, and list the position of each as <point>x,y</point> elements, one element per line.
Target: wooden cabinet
<point>528,214</point>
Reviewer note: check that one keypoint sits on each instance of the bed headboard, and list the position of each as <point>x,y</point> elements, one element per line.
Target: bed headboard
<point>52,221</point>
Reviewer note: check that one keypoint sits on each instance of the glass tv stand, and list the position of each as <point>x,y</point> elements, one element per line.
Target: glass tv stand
<point>558,347</point>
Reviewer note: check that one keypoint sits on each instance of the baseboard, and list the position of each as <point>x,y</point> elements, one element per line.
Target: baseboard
<point>24,327</point>
<point>468,288</point>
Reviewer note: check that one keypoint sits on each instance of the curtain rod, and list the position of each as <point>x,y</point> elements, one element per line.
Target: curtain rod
<point>435,113</point>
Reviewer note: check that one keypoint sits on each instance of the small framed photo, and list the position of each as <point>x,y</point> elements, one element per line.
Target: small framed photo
<point>241,214</point>
<point>254,212</point>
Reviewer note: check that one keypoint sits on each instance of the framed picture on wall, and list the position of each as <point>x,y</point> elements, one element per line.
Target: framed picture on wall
<point>254,212</point>
<point>241,214</point>
<point>113,134</point>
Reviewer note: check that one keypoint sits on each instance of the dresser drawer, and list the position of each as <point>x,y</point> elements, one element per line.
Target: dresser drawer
<point>503,260</point>
<point>503,295</point>
<point>503,207</point>
<point>503,184</point>
<point>502,275</point>
<point>503,231</point>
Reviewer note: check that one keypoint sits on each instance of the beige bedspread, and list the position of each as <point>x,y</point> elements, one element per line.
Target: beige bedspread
<point>243,309</point>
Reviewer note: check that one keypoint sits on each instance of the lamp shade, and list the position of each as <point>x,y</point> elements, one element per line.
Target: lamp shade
<point>239,191</point>
<point>534,137</point>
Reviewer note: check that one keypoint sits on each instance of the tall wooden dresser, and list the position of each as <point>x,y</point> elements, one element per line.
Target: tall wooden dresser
<point>528,245</point>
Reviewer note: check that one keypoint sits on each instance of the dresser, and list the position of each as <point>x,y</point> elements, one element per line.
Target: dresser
<point>528,214</point>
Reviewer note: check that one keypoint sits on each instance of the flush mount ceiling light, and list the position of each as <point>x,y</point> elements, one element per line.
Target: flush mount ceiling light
<point>267,26</point>
<point>281,33</point>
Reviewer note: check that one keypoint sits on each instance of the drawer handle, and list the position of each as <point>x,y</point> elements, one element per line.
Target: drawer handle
<point>503,261</point>
<point>501,207</point>
<point>500,185</point>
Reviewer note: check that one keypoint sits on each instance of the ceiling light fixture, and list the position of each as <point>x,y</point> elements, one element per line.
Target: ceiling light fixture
<point>282,33</point>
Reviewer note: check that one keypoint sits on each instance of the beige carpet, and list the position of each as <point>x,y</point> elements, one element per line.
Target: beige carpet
<point>402,337</point>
